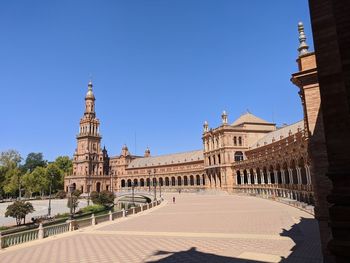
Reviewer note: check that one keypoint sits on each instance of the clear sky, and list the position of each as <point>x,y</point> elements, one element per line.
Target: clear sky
<point>159,68</point>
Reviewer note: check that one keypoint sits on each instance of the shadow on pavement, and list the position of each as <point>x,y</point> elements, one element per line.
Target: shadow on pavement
<point>305,235</point>
<point>192,255</point>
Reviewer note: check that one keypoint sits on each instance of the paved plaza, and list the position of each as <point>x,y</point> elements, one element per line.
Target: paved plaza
<point>197,228</point>
<point>41,208</point>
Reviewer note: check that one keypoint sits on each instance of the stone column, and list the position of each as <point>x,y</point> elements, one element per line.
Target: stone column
<point>299,175</point>
<point>255,177</point>
<point>275,174</point>
<point>283,177</point>
<point>249,179</point>
<point>290,172</point>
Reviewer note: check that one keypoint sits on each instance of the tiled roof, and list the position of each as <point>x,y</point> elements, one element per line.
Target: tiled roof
<point>279,134</point>
<point>168,159</point>
<point>249,118</point>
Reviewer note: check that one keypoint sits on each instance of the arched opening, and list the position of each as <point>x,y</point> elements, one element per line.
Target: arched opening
<point>173,181</point>
<point>272,175</point>
<point>198,180</point>
<point>286,173</point>
<point>185,180</point>
<point>161,183</point>
<point>122,183</point>
<point>294,172</point>
<point>235,141</point>
<point>265,175</point>
<point>209,160</point>
<point>240,141</point>
<point>302,171</point>
<point>98,187</point>
<point>129,182</point>
<point>245,177</point>
<point>258,175</point>
<point>136,183</point>
<point>82,189</point>
<point>179,181</point>
<point>191,180</point>
<point>148,182</point>
<point>203,179</point>
<point>166,181</point>
<point>279,174</point>
<point>238,156</point>
<point>252,179</point>
<point>238,177</point>
<point>154,181</point>
<point>142,182</point>
<point>219,159</point>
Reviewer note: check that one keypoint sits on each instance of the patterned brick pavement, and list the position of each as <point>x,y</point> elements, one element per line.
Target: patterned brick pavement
<point>198,228</point>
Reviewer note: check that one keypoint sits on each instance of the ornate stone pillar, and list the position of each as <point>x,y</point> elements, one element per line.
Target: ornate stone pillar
<point>290,172</point>
<point>283,176</point>
<point>299,175</point>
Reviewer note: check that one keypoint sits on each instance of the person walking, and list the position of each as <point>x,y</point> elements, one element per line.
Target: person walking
<point>173,199</point>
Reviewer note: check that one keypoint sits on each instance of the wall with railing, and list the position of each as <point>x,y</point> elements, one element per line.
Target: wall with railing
<point>7,240</point>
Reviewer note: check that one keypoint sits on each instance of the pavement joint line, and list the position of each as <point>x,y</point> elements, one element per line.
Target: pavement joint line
<point>193,234</point>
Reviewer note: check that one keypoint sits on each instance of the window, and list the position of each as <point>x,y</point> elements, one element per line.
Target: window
<point>238,156</point>
<point>240,141</point>
<point>234,140</point>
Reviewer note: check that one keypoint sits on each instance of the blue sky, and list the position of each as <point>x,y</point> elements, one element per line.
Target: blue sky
<point>160,69</point>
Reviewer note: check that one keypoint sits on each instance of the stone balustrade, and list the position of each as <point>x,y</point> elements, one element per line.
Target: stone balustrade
<point>7,240</point>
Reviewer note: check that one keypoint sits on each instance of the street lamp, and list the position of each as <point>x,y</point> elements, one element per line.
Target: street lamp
<point>155,184</point>
<point>160,189</point>
<point>133,184</point>
<point>71,189</point>
<point>149,180</point>
<point>49,209</point>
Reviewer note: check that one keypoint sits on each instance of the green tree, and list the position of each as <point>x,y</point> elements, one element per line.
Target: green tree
<point>105,198</point>
<point>73,200</point>
<point>34,160</point>
<point>55,175</point>
<point>36,181</point>
<point>65,164</point>
<point>10,159</point>
<point>10,173</point>
<point>19,210</point>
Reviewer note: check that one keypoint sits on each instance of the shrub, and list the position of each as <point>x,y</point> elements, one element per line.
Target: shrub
<point>19,210</point>
<point>104,198</point>
<point>61,194</point>
<point>76,193</point>
<point>93,209</point>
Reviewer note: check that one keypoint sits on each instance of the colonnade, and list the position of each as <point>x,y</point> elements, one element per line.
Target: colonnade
<point>287,181</point>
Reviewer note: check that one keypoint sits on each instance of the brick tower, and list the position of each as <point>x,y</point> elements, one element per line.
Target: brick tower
<point>90,162</point>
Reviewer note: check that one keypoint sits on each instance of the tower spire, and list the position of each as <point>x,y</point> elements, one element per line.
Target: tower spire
<point>303,47</point>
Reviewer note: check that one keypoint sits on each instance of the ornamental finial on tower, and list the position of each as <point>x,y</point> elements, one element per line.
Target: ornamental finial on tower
<point>147,152</point>
<point>224,117</point>
<point>205,127</point>
<point>303,47</point>
<point>90,94</point>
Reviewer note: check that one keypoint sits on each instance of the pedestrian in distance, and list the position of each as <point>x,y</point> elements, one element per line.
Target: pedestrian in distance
<point>173,199</point>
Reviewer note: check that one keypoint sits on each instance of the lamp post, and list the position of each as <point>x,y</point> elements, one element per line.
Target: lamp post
<point>149,180</point>
<point>49,209</point>
<point>71,189</point>
<point>155,184</point>
<point>160,190</point>
<point>133,184</point>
